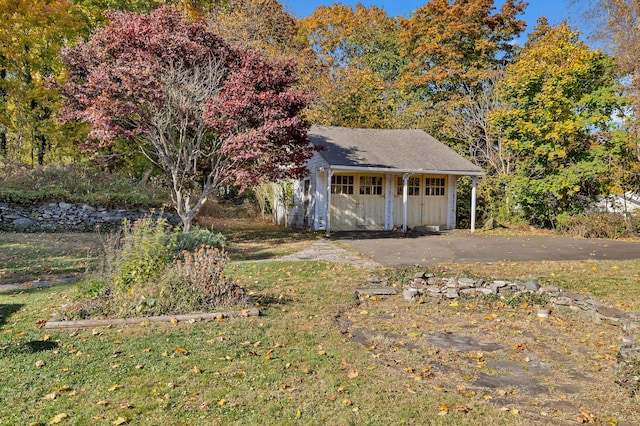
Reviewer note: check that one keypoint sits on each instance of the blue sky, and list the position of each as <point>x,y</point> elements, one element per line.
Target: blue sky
<point>554,10</point>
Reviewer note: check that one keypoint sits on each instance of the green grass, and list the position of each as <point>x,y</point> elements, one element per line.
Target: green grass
<point>292,365</point>
<point>285,367</point>
<point>27,257</point>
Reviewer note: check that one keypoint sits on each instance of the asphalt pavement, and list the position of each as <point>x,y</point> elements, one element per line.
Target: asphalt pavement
<point>395,249</point>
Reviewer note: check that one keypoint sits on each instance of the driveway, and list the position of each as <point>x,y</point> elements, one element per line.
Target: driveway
<point>393,249</point>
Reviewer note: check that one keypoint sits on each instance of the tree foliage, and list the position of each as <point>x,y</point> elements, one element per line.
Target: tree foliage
<point>208,114</point>
<point>560,98</point>
<point>357,65</point>
<point>31,36</point>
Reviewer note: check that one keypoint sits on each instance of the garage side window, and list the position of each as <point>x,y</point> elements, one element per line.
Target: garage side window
<point>371,185</point>
<point>341,184</point>
<point>435,186</point>
<point>413,186</point>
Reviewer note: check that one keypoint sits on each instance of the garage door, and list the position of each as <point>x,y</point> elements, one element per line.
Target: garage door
<point>426,201</point>
<point>357,202</point>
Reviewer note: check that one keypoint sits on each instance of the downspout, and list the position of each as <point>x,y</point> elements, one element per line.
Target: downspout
<point>474,186</point>
<point>405,199</point>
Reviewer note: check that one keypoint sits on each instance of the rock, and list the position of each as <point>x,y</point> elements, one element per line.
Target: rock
<point>464,283</point>
<point>531,286</point>
<point>410,294</point>
<point>65,206</point>
<point>497,286</point>
<point>451,283</point>
<point>574,296</point>
<point>376,291</point>
<point>611,312</point>
<point>434,289</point>
<point>562,301</point>
<point>452,293</point>
<point>22,223</point>
<point>491,223</point>
<point>552,291</point>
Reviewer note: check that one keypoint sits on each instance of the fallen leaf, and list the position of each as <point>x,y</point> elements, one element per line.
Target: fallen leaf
<point>50,397</point>
<point>119,421</point>
<point>40,363</point>
<point>114,387</point>
<point>46,338</point>
<point>58,418</point>
<point>352,374</point>
<point>269,355</point>
<point>221,402</point>
<point>102,402</point>
<point>346,402</point>
<point>181,350</point>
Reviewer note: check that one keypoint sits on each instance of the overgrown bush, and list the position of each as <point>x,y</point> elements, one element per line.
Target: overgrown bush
<point>198,237</point>
<point>79,184</point>
<point>598,225</point>
<point>145,253</point>
<point>143,274</point>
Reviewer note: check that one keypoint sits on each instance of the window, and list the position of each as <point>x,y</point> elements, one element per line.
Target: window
<point>435,186</point>
<point>371,185</point>
<point>342,184</point>
<point>413,186</point>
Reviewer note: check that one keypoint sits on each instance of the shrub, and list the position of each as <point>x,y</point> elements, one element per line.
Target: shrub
<point>146,251</point>
<point>197,238</point>
<point>143,274</point>
<point>598,225</point>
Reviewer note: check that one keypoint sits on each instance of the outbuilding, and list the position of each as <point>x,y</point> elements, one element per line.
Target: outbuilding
<point>372,179</point>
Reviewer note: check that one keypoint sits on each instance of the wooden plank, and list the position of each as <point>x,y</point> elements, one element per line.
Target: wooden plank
<point>251,312</point>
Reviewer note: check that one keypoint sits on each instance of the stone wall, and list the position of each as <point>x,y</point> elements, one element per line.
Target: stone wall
<point>54,217</point>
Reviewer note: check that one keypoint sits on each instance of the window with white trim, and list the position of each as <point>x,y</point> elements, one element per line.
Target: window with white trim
<point>435,186</point>
<point>341,184</point>
<point>371,185</point>
<point>413,186</point>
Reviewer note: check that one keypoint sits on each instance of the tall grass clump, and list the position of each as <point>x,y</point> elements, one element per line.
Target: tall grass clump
<point>144,273</point>
<point>599,225</point>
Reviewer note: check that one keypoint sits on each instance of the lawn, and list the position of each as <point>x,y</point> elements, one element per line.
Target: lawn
<point>301,361</point>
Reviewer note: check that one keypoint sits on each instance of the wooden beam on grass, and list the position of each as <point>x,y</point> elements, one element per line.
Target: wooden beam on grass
<point>245,313</point>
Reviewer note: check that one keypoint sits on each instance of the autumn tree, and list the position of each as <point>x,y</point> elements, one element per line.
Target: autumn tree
<point>454,49</point>
<point>206,113</point>
<point>560,99</point>
<point>31,36</point>
<point>357,63</point>
<point>258,24</point>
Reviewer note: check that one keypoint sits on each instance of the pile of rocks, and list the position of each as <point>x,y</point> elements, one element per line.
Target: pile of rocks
<point>66,217</point>
<point>427,286</point>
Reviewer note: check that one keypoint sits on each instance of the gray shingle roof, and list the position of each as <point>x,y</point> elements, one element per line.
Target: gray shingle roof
<point>400,150</point>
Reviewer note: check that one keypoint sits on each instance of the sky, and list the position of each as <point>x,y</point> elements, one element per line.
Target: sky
<point>554,10</point>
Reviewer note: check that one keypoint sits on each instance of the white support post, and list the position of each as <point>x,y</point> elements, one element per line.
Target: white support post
<point>328,212</point>
<point>474,186</point>
<point>405,199</point>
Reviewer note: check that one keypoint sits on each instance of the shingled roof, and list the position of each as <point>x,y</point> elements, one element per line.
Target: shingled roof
<point>403,151</point>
